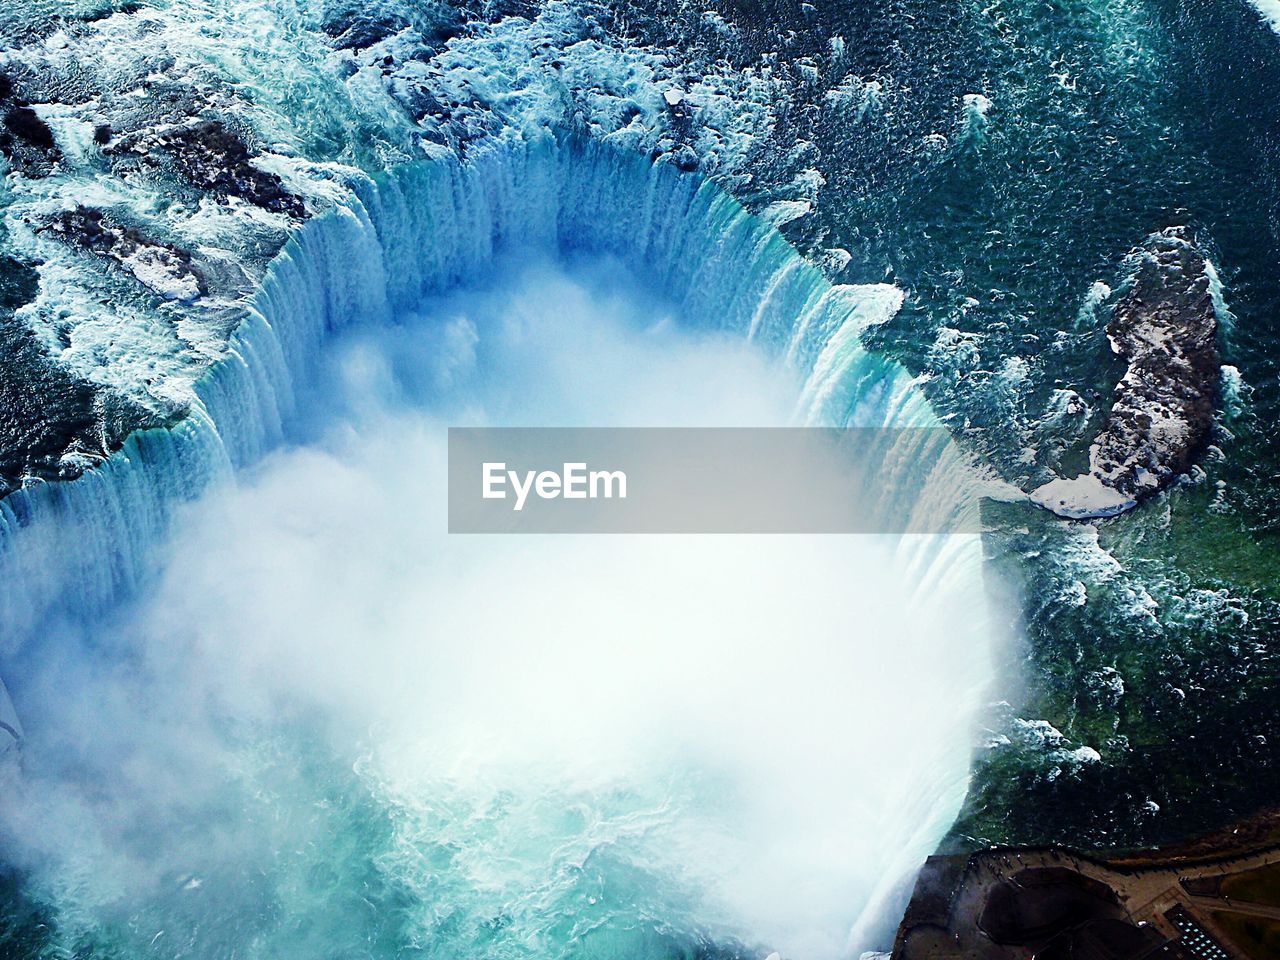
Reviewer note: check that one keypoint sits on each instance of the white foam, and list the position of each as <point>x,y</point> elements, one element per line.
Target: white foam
<point>1270,11</point>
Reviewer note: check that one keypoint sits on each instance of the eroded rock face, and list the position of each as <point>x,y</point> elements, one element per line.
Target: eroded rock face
<point>1165,327</point>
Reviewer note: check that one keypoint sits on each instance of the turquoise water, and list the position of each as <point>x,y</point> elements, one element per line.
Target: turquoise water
<point>1139,705</point>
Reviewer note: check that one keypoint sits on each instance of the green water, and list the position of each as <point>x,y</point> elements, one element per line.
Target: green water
<point>1110,120</point>
<point>1153,641</point>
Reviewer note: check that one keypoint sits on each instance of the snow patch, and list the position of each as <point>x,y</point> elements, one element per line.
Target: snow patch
<point>1081,498</point>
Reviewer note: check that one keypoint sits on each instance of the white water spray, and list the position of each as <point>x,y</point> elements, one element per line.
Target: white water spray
<point>561,746</point>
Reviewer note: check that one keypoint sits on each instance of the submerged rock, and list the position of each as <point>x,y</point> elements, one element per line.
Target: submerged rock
<point>357,29</point>
<point>25,139</point>
<point>216,159</point>
<point>164,269</point>
<point>1165,327</point>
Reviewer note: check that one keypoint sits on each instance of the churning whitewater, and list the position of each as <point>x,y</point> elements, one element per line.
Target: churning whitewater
<point>325,727</point>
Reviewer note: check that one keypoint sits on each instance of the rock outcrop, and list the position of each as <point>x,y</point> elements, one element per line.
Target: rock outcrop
<point>25,139</point>
<point>163,268</point>
<point>215,159</point>
<point>1165,327</point>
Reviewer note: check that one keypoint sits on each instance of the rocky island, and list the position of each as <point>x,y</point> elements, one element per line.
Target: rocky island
<point>1165,327</point>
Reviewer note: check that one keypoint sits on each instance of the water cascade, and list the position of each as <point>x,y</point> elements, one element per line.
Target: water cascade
<point>776,790</point>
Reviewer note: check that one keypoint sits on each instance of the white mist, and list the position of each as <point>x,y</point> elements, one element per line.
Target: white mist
<point>572,746</point>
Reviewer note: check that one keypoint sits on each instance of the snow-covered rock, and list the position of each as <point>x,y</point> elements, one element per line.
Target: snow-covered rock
<point>1165,327</point>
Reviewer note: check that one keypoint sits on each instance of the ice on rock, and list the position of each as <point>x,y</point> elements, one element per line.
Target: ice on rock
<point>1081,497</point>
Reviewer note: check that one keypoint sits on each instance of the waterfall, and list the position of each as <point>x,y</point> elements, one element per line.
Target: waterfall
<point>422,229</point>
<point>414,230</point>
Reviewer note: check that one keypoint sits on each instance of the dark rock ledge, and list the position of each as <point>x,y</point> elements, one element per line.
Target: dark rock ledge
<point>213,158</point>
<point>1054,903</point>
<point>24,138</point>
<point>163,268</point>
<point>1165,328</point>
<point>53,426</point>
